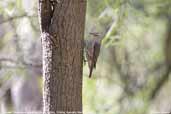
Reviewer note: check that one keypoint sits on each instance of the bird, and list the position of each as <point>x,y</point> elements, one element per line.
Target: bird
<point>92,50</point>
<point>92,47</point>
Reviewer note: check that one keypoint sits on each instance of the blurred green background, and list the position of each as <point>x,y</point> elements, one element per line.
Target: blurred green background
<point>132,74</point>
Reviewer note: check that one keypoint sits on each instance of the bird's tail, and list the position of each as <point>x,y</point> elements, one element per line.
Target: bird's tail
<point>91,70</point>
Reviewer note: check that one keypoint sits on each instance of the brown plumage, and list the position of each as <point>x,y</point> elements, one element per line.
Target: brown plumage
<point>92,49</point>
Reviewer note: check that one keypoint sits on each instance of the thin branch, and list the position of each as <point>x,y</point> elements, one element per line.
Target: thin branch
<point>16,17</point>
<point>23,63</point>
<point>165,77</point>
<point>160,84</point>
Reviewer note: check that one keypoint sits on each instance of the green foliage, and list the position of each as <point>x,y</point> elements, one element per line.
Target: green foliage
<point>132,57</point>
<point>137,36</point>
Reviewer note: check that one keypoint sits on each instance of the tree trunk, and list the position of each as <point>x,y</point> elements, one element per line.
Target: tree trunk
<point>62,42</point>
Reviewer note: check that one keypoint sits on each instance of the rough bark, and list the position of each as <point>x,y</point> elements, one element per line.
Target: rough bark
<point>62,42</point>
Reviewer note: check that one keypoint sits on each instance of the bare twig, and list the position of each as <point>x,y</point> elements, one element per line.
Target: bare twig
<point>23,63</point>
<point>160,84</point>
<point>165,76</point>
<point>16,17</point>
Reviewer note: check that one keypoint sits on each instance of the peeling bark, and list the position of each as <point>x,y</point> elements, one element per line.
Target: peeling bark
<point>62,42</point>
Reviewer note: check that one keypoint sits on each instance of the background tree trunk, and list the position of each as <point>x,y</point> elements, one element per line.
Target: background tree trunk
<point>62,42</point>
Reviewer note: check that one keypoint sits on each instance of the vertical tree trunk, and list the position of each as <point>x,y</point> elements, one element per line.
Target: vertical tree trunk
<point>62,42</point>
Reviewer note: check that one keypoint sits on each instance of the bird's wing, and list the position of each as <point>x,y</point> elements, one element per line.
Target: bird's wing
<point>96,53</point>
